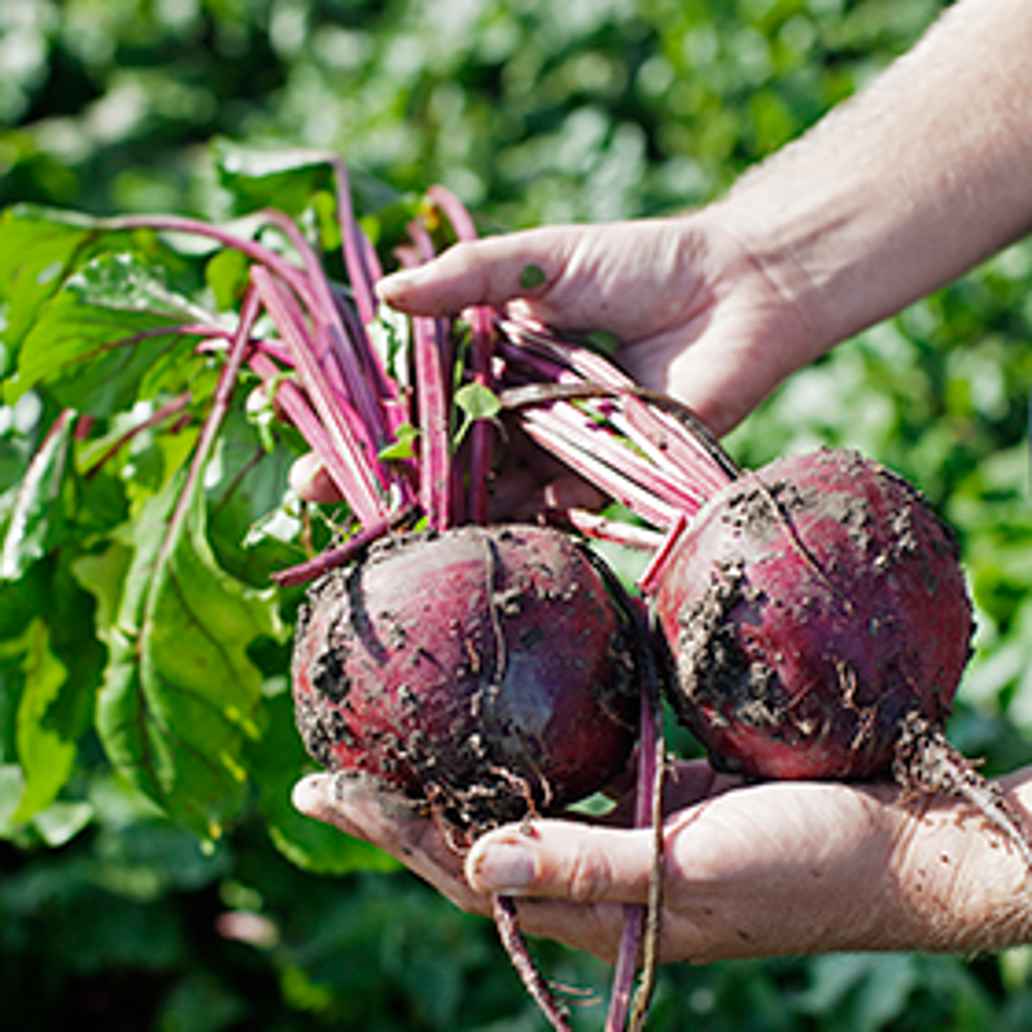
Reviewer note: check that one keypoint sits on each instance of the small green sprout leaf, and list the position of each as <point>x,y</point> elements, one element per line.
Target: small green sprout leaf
<point>478,401</point>
<point>532,276</point>
<point>404,444</point>
<point>475,401</point>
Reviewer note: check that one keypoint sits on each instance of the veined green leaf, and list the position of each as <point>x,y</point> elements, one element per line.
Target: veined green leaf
<point>404,444</point>
<point>97,338</point>
<point>38,247</point>
<point>180,697</point>
<point>36,511</point>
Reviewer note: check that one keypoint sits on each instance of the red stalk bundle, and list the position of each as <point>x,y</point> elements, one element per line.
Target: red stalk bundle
<point>789,609</point>
<point>488,674</point>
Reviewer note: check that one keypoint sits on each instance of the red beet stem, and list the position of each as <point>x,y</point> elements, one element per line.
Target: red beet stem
<point>649,580</point>
<point>641,923</point>
<point>195,227</point>
<point>434,424</point>
<point>334,557</point>
<point>348,464</point>
<point>294,403</point>
<point>220,406</point>
<point>581,429</point>
<point>507,922</point>
<point>673,444</point>
<point>593,525</point>
<point>432,383</point>
<point>334,350</point>
<point>368,357</point>
<point>359,257</point>
<point>481,320</point>
<point>156,418</point>
<point>628,492</point>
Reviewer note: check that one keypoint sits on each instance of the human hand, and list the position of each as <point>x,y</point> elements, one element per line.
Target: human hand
<point>697,317</point>
<point>750,870</point>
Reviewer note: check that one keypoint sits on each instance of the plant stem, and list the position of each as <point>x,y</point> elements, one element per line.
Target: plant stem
<point>642,922</point>
<point>334,557</point>
<point>507,923</point>
<point>481,319</point>
<point>359,257</point>
<point>433,394</point>
<point>156,418</point>
<point>220,406</point>
<point>346,461</point>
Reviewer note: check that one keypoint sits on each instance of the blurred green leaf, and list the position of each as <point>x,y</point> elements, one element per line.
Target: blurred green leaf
<point>180,697</point>
<point>46,751</point>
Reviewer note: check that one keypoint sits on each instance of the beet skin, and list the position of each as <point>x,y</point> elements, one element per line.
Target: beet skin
<point>815,609</point>
<point>485,671</point>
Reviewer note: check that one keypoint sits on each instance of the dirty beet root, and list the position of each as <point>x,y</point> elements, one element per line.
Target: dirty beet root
<point>484,672</point>
<point>820,623</point>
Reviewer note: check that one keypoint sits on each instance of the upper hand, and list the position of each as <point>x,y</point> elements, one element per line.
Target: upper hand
<point>696,315</point>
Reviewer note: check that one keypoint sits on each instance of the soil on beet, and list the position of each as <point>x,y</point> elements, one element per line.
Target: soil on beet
<point>811,612</point>
<point>486,673</point>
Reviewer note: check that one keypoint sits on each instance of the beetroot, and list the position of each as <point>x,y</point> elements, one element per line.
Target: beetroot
<point>816,609</point>
<point>486,672</point>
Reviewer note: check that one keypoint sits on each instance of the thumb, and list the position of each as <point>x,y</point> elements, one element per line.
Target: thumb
<point>563,860</point>
<point>491,271</point>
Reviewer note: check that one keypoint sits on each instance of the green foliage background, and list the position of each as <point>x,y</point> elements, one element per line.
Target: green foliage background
<point>532,112</point>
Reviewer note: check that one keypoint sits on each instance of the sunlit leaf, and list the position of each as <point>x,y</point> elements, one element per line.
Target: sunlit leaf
<point>36,510</point>
<point>38,247</point>
<point>478,401</point>
<point>98,337</point>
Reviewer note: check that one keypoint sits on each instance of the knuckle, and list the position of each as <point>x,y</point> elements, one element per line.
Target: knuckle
<point>590,876</point>
<point>463,255</point>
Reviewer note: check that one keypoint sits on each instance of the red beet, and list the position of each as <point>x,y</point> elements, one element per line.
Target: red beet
<point>485,671</point>
<point>818,615</point>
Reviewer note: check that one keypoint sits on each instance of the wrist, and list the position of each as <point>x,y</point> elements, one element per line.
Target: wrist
<point>905,186</point>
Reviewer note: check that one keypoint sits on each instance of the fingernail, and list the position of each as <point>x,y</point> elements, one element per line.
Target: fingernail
<point>397,282</point>
<point>503,868</point>
<point>309,794</point>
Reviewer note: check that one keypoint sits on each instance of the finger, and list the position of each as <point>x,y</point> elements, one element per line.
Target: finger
<point>480,272</point>
<point>310,481</point>
<point>563,860</point>
<point>362,809</point>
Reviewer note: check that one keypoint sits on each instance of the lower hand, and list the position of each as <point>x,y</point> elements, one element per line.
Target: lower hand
<point>750,870</point>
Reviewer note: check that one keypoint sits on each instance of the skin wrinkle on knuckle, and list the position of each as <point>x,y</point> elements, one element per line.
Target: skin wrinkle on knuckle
<point>589,876</point>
